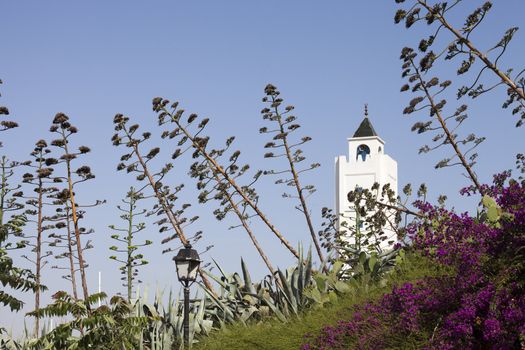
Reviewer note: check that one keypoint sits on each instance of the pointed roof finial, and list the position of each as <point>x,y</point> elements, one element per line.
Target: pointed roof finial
<point>365,129</point>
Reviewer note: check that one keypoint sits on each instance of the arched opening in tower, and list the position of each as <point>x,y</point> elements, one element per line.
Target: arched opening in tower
<point>363,151</point>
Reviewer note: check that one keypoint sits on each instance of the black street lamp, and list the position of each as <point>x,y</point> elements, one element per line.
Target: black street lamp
<point>187,262</point>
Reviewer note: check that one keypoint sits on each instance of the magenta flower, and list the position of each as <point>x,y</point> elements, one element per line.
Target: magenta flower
<point>481,305</point>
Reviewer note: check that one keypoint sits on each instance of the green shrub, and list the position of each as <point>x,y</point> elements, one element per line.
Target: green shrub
<point>276,335</point>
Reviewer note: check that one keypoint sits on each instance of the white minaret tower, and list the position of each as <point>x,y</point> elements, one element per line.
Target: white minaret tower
<point>366,164</point>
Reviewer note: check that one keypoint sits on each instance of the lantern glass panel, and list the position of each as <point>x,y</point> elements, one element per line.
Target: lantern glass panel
<point>193,266</point>
<point>183,269</point>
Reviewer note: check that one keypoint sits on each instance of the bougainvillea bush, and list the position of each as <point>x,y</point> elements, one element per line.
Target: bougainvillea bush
<point>479,306</point>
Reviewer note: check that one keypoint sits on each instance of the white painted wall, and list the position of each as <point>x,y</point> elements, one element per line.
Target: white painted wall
<point>352,172</point>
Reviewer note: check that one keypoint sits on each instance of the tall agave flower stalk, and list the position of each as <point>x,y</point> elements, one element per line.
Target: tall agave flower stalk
<point>40,182</point>
<point>65,241</point>
<point>213,187</point>
<point>63,128</point>
<point>199,145</point>
<point>285,125</point>
<point>137,162</point>
<point>228,202</point>
<point>472,56</point>
<point>126,236</point>
<point>445,125</point>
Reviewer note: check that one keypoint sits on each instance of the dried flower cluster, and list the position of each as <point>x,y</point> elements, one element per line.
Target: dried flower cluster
<point>480,62</point>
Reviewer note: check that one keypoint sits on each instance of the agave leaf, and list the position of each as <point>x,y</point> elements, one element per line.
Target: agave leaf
<point>236,285</point>
<point>307,270</point>
<point>248,313</point>
<point>194,326</point>
<point>170,303</point>
<point>220,269</point>
<point>372,262</point>
<point>275,310</point>
<point>286,288</point>
<point>225,309</point>
<point>223,284</point>
<point>362,258</point>
<point>294,284</point>
<point>251,299</point>
<point>300,280</point>
<point>264,310</point>
<point>206,326</point>
<point>247,279</point>
<point>202,308</point>
<point>289,272</point>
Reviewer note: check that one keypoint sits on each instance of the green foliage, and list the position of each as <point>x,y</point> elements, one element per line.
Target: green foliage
<point>11,276</point>
<point>493,212</point>
<point>276,335</point>
<point>7,343</point>
<point>110,327</point>
<point>119,325</point>
<point>283,296</point>
<point>369,233</point>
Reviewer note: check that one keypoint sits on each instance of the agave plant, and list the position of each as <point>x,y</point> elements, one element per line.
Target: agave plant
<point>283,296</point>
<point>240,299</point>
<point>165,329</point>
<point>139,324</point>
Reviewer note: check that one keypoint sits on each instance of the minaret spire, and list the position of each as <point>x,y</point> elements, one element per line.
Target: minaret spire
<point>365,128</point>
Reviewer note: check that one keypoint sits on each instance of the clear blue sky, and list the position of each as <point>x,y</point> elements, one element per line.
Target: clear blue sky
<point>93,59</point>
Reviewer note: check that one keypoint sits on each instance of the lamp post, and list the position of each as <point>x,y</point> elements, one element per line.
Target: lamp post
<point>187,262</point>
